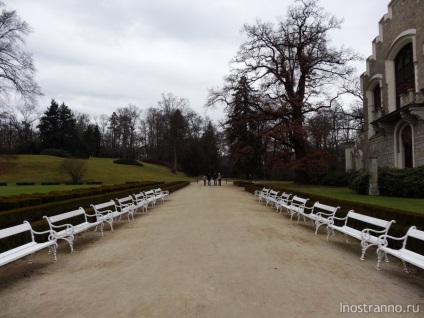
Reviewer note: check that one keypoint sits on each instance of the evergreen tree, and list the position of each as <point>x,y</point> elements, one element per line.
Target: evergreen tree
<point>209,146</point>
<point>57,127</point>
<point>242,130</point>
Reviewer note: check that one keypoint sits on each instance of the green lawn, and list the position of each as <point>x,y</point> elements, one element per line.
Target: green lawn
<point>406,204</point>
<point>40,168</point>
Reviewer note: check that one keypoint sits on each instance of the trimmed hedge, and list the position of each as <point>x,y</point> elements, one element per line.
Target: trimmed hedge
<point>393,182</point>
<point>34,214</point>
<point>71,200</point>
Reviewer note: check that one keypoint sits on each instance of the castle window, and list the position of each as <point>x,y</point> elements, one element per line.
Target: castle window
<point>377,98</point>
<point>404,72</point>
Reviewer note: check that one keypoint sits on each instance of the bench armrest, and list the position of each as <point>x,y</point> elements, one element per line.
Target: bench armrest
<point>286,201</point>
<point>325,215</point>
<point>95,215</point>
<point>382,239</point>
<point>103,215</point>
<point>68,228</point>
<point>338,218</point>
<point>104,212</point>
<point>125,205</point>
<point>53,226</point>
<point>366,233</point>
<point>322,213</point>
<point>50,232</point>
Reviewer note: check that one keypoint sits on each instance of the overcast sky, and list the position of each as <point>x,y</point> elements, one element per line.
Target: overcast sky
<point>99,55</point>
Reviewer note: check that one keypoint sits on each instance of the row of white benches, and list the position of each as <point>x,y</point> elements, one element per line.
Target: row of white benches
<point>62,229</point>
<point>321,214</point>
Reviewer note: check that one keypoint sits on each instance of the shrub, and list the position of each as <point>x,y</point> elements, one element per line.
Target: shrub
<point>407,183</point>
<point>76,168</point>
<point>332,178</point>
<point>360,184</point>
<point>132,162</point>
<point>335,179</point>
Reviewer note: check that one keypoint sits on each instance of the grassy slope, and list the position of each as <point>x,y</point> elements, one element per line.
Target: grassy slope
<point>39,168</point>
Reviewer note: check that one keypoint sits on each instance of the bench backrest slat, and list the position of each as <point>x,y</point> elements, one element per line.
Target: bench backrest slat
<point>325,207</point>
<point>298,200</point>
<point>124,200</point>
<point>107,205</point>
<point>368,219</point>
<point>66,215</point>
<point>15,230</point>
<point>139,196</point>
<point>285,196</point>
<point>413,232</point>
<point>264,192</point>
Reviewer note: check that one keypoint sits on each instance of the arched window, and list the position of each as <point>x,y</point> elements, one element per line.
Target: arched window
<point>404,72</point>
<point>406,141</point>
<point>404,145</point>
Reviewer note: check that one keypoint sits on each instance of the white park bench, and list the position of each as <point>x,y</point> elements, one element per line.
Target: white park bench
<point>297,205</point>
<point>319,214</point>
<point>77,222</point>
<point>26,249</point>
<point>406,255</point>
<point>283,202</point>
<point>367,236</point>
<point>126,205</point>
<point>257,193</point>
<point>108,212</point>
<point>139,201</point>
<point>262,195</point>
<point>161,194</point>
<point>271,197</point>
<point>150,197</point>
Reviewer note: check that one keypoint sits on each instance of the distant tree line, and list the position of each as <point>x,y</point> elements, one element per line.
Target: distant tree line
<point>171,134</point>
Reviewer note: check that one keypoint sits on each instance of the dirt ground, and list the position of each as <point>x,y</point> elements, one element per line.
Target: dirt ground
<point>209,252</point>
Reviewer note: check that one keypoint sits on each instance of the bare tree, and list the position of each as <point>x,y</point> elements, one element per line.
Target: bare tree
<point>173,109</point>
<point>296,72</point>
<point>16,66</point>
<point>75,168</point>
<point>127,119</point>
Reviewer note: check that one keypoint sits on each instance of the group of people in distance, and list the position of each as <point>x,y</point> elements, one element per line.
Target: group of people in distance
<point>216,177</point>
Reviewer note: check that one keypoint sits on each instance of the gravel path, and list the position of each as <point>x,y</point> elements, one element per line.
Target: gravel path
<point>208,252</point>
